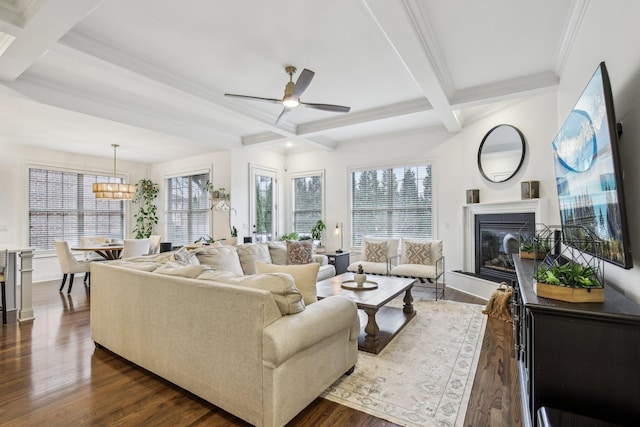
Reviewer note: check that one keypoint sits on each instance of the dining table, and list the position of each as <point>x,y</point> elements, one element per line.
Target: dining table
<point>106,251</point>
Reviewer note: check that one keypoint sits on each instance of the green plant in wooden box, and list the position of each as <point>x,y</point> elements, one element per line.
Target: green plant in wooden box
<point>535,244</point>
<point>575,274</point>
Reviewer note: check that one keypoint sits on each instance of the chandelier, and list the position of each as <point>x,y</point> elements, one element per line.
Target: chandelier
<point>114,190</point>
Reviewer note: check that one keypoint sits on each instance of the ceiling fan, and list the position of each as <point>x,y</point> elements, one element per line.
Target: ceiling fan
<point>292,93</point>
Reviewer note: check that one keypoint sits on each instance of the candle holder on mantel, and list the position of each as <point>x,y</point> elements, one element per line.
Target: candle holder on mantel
<point>529,190</point>
<point>473,196</point>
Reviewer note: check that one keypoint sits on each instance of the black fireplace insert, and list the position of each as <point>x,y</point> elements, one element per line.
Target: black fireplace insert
<point>497,238</point>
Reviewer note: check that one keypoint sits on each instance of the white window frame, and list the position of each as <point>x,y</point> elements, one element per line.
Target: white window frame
<point>292,211</point>
<point>74,237</point>
<point>356,235</point>
<point>169,236</point>
<point>256,171</point>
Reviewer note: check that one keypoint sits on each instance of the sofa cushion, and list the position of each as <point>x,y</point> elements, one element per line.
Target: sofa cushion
<point>282,286</point>
<point>223,258</point>
<point>299,251</point>
<point>174,268</point>
<point>304,275</point>
<point>375,251</point>
<point>249,253</point>
<point>278,252</point>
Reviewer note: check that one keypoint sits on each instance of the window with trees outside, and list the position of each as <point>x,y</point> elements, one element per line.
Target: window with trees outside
<point>391,202</point>
<point>307,193</point>
<point>62,207</point>
<point>188,214</point>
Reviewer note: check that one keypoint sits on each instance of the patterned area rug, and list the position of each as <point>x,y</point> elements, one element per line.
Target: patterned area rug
<point>424,376</point>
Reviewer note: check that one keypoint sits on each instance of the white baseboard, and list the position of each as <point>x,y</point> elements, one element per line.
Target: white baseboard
<point>470,285</point>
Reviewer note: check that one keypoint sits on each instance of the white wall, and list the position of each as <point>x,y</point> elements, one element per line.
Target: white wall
<point>454,160</point>
<point>609,33</point>
<point>230,171</point>
<point>14,205</point>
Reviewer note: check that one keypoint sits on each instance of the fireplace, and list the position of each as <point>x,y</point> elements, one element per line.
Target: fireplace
<point>497,238</point>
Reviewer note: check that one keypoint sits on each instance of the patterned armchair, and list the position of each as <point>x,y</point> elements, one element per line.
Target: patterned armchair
<point>378,255</point>
<point>422,260</point>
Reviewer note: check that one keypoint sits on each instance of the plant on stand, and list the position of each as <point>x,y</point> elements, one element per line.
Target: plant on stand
<point>147,215</point>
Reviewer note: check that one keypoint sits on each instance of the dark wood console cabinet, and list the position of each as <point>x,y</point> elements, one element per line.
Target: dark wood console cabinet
<point>579,358</point>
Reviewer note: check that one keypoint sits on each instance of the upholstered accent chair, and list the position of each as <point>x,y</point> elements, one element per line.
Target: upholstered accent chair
<point>154,243</point>
<point>92,256</point>
<point>422,260</point>
<point>135,247</point>
<point>69,265</point>
<point>378,255</point>
<point>3,284</point>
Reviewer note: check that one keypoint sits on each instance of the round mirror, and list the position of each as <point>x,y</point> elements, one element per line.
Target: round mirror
<point>501,153</point>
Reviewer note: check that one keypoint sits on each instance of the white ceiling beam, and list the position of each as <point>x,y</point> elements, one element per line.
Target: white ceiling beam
<point>41,32</point>
<point>505,90</point>
<point>400,27</point>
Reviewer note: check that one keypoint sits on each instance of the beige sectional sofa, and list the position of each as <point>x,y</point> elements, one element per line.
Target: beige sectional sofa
<point>247,344</point>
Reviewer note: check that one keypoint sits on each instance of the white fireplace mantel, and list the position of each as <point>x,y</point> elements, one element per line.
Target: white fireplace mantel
<point>468,221</point>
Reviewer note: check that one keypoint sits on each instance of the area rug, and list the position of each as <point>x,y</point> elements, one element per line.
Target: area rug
<point>424,376</point>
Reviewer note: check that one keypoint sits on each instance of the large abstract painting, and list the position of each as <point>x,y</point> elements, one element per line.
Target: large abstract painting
<point>587,171</point>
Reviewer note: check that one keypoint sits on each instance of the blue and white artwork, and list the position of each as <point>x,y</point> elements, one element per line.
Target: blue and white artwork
<point>585,163</point>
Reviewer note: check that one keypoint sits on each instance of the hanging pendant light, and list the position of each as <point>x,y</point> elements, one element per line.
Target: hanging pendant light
<point>114,190</point>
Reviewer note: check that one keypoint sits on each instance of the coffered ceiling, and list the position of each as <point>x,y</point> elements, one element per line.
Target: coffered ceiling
<point>151,75</point>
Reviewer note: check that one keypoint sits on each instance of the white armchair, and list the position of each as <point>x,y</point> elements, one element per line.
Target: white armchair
<point>378,255</point>
<point>422,260</point>
<point>69,265</point>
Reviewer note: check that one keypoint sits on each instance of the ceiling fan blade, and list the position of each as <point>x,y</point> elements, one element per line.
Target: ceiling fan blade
<point>254,98</point>
<point>327,107</point>
<point>303,82</point>
<point>285,112</point>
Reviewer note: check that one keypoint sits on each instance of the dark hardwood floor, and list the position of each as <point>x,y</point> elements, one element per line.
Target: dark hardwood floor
<point>51,374</point>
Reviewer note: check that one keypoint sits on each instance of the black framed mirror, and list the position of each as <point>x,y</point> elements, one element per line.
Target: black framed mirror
<point>501,153</point>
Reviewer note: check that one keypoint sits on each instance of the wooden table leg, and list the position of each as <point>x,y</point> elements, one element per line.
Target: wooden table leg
<point>372,329</point>
<point>408,301</point>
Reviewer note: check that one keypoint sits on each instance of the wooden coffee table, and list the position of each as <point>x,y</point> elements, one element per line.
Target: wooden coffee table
<point>383,322</point>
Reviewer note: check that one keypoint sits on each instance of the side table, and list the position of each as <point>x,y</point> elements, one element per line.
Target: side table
<point>339,260</point>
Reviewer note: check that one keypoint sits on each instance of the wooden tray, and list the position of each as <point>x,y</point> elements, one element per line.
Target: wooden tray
<point>352,285</point>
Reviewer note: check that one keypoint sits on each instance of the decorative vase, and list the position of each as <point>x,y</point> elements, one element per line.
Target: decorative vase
<point>360,277</point>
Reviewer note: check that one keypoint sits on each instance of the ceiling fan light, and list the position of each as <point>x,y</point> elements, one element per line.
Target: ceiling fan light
<point>290,102</point>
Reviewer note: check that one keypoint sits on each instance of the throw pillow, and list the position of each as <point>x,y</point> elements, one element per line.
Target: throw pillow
<point>375,251</point>
<point>304,276</point>
<point>281,285</point>
<point>249,253</point>
<point>278,252</point>
<point>416,253</point>
<point>224,258</point>
<point>299,251</point>
<point>182,256</point>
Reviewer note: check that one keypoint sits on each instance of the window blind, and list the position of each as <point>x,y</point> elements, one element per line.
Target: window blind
<point>62,207</point>
<point>391,202</point>
<point>188,214</point>
<point>307,203</point>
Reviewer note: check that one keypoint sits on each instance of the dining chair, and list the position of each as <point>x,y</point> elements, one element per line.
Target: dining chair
<point>92,256</point>
<point>69,265</point>
<point>3,284</point>
<point>154,243</point>
<point>135,247</point>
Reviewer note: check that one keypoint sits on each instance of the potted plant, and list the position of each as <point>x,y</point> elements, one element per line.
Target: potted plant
<point>147,215</point>
<point>571,282</point>
<point>536,249</point>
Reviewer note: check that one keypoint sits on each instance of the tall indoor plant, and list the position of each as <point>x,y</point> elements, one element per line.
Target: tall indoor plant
<point>147,215</point>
